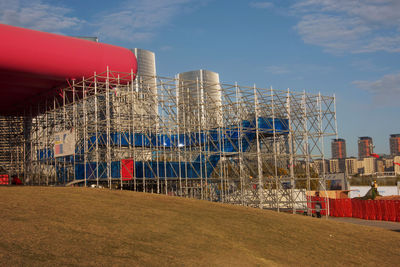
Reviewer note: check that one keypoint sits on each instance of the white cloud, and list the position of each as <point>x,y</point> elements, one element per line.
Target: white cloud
<point>385,91</point>
<point>130,20</point>
<point>261,5</point>
<point>37,15</point>
<point>350,25</point>
<point>388,44</point>
<point>138,20</point>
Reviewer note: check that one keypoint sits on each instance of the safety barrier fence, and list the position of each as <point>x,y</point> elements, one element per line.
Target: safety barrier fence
<point>384,210</point>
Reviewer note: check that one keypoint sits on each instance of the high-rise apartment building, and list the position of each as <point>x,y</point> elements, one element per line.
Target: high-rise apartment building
<point>365,147</point>
<point>394,144</point>
<point>338,148</point>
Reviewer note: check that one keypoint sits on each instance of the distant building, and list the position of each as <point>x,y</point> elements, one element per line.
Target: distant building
<point>366,166</point>
<point>394,144</point>
<point>365,147</point>
<point>380,165</point>
<point>388,162</point>
<point>351,166</point>
<point>396,167</point>
<point>320,166</point>
<point>338,148</point>
<point>334,166</point>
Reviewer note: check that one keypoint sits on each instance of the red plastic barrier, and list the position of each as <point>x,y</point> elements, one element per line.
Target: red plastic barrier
<point>354,207</point>
<point>342,207</point>
<point>336,208</point>
<point>364,214</point>
<point>385,211</point>
<point>359,208</point>
<point>392,210</point>
<point>371,210</point>
<point>348,209</point>
<point>397,203</point>
<point>331,207</point>
<point>388,210</point>
<point>378,210</point>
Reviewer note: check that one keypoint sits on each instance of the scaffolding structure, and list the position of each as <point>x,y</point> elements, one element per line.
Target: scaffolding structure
<point>250,146</point>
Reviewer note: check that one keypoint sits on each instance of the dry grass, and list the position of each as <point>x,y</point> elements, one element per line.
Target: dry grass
<point>78,226</point>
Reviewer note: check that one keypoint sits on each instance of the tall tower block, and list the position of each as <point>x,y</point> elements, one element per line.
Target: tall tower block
<point>365,147</point>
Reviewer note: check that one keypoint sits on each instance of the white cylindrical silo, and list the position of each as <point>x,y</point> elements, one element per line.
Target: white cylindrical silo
<point>199,98</point>
<point>146,84</point>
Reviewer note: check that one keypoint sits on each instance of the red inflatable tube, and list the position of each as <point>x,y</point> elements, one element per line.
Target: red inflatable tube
<point>34,62</point>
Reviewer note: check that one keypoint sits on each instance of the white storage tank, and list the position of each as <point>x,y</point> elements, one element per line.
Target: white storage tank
<point>199,91</point>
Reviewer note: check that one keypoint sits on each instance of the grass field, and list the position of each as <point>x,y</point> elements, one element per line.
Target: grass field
<point>84,226</point>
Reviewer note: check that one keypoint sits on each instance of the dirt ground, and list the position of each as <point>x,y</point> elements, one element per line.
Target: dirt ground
<point>91,227</point>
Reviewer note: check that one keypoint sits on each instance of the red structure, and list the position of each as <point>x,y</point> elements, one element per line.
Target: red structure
<point>35,63</point>
<point>385,210</point>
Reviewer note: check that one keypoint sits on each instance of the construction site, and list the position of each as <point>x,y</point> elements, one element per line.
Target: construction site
<point>183,137</point>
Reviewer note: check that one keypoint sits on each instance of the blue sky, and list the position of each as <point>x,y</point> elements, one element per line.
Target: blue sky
<point>350,48</point>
